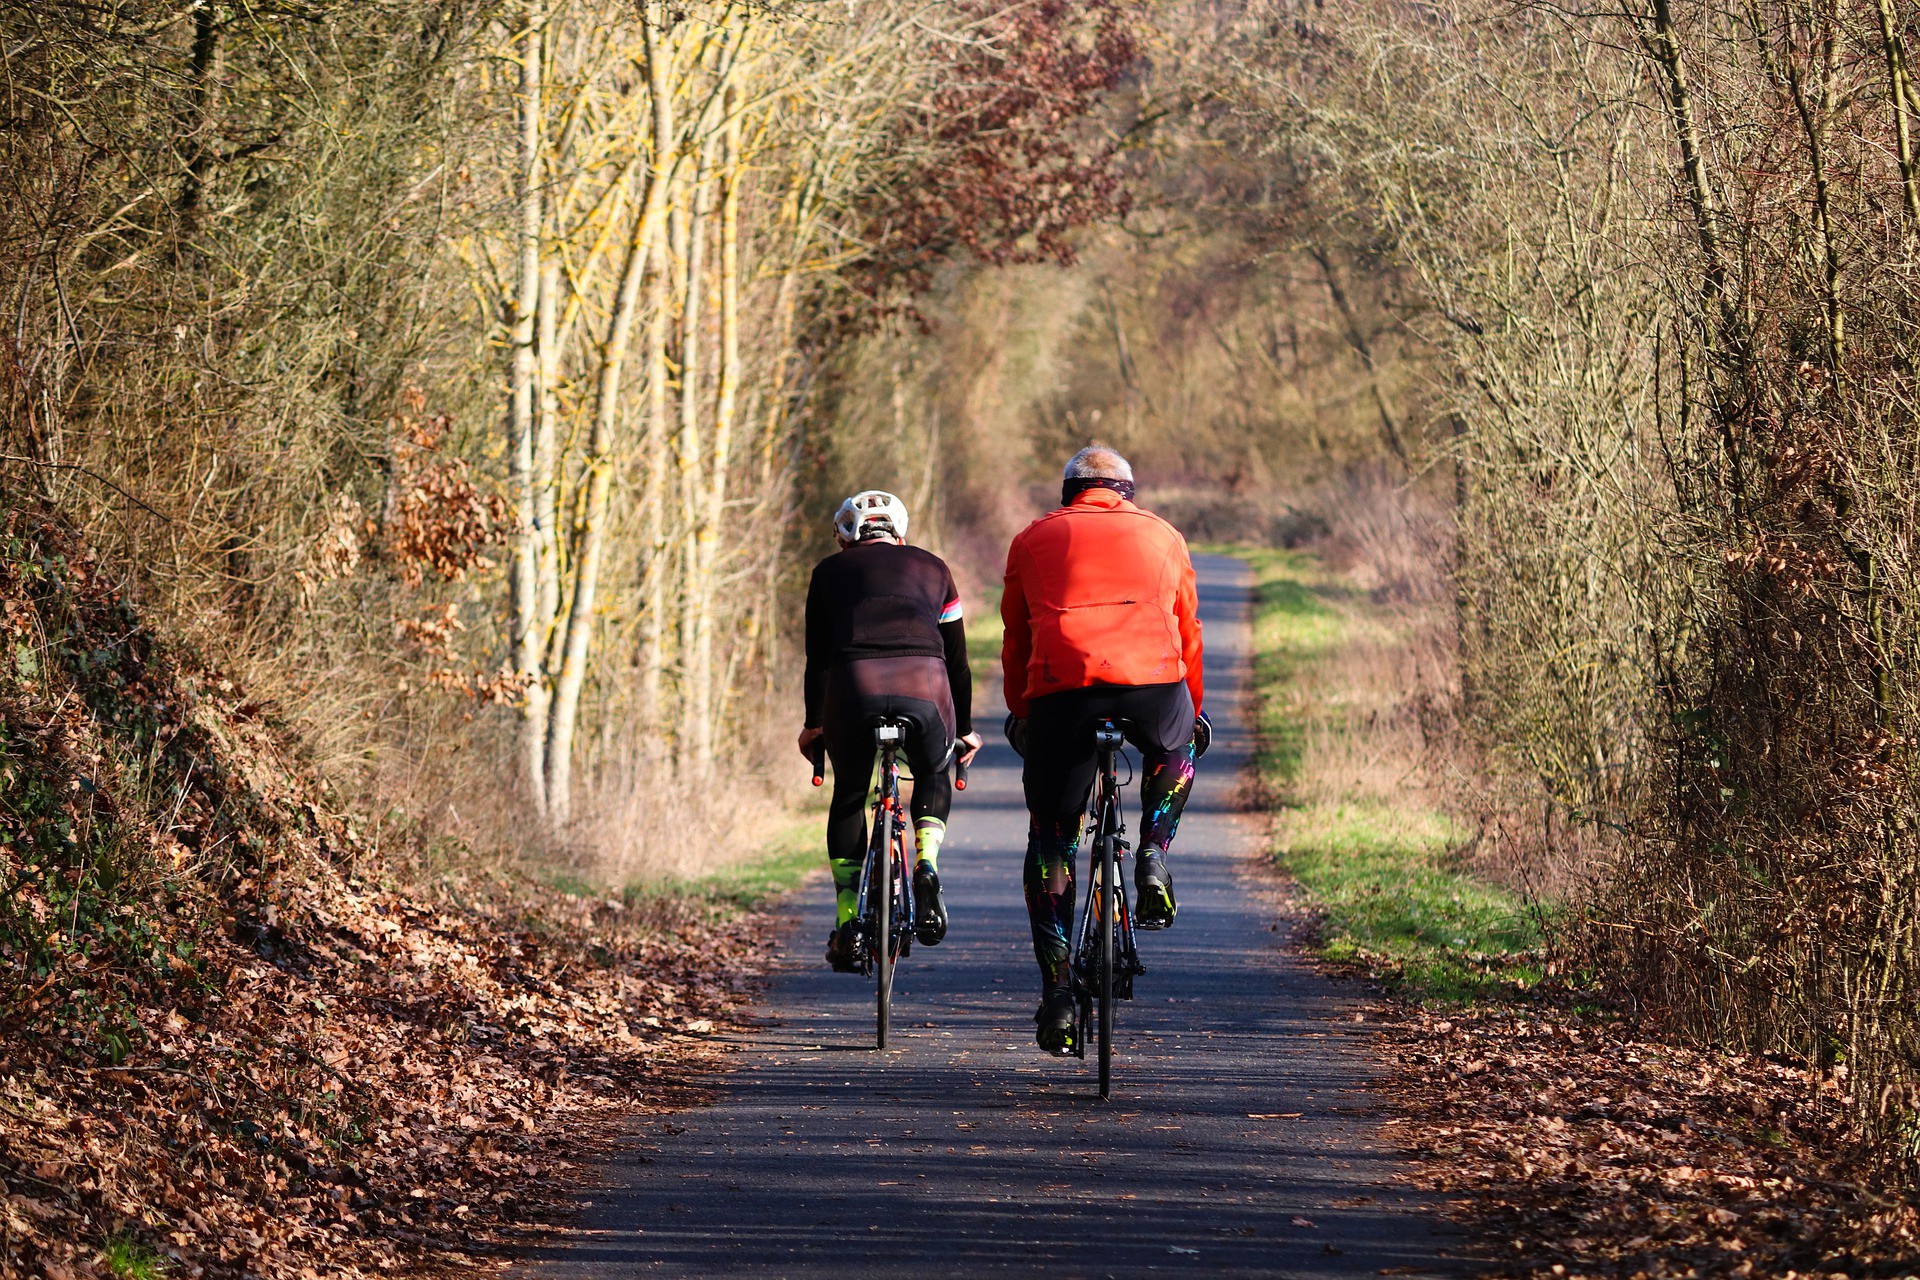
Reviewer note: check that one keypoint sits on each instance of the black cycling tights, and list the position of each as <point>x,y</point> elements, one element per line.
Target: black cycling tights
<point>1058,777</point>
<point>911,689</point>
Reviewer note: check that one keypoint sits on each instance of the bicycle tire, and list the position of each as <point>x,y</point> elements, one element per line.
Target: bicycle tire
<point>1109,929</point>
<point>883,932</point>
<point>903,899</point>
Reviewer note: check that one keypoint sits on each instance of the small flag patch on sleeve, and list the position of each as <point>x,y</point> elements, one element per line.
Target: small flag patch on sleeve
<point>952,612</point>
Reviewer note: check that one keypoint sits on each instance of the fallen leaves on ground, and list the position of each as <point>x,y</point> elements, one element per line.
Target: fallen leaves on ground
<point>1579,1146</point>
<point>416,1073</point>
<point>233,1041</point>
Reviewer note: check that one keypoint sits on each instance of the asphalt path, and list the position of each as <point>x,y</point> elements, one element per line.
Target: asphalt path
<point>1242,1139</point>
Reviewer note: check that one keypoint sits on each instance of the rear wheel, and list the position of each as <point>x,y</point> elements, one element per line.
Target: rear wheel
<point>904,904</point>
<point>883,926</point>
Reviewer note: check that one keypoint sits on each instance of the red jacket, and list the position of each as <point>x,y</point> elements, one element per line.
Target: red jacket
<point>1098,592</point>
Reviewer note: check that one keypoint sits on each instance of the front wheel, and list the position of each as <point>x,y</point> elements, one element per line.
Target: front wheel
<point>1109,891</point>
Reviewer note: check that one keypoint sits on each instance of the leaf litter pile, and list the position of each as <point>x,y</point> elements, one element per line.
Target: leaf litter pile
<point>227,1047</point>
<point>1575,1146</point>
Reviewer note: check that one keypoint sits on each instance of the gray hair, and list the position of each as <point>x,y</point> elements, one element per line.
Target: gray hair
<point>1098,462</point>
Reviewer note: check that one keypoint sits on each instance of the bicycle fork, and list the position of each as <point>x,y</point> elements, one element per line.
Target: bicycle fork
<point>1087,950</point>
<point>1087,958</point>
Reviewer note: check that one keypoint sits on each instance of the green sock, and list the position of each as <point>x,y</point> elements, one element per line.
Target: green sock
<point>846,888</point>
<point>927,835</point>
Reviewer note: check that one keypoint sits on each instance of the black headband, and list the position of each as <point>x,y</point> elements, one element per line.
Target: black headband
<point>1071,489</point>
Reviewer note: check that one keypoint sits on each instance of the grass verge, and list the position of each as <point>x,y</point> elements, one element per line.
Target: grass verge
<point>1338,764</point>
<point>750,884</point>
<point>984,632</point>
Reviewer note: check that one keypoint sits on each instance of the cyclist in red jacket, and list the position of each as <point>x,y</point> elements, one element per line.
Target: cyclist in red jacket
<point>1102,618</point>
<point>884,638</point>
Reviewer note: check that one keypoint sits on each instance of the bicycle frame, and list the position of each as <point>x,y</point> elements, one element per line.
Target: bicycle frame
<point>1105,959</point>
<point>884,903</point>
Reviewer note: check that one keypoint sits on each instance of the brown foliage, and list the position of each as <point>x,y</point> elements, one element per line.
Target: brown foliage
<point>1009,166</point>
<point>221,1038</point>
<point>1583,1148</point>
<point>438,520</point>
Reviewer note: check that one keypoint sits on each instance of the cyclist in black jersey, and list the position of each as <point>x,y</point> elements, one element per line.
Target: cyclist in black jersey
<point>884,638</point>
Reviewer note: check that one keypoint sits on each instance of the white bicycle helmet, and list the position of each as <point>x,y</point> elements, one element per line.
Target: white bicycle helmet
<point>871,513</point>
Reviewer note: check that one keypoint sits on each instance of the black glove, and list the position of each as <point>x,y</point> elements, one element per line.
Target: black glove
<point>1016,731</point>
<point>1202,734</point>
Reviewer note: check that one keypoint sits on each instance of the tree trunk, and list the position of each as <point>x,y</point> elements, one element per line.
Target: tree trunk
<point>1813,106</point>
<point>546,468</point>
<point>653,631</point>
<point>199,144</point>
<point>590,541</point>
<point>521,398</point>
<point>689,449</point>
<point>700,663</point>
<point>1662,40</point>
<point>1722,307</point>
<point>1896,55</point>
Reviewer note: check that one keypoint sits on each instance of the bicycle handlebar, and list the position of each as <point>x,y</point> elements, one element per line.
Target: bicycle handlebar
<point>818,755</point>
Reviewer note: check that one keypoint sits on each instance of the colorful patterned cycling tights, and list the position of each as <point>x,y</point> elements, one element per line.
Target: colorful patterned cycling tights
<point>1051,845</point>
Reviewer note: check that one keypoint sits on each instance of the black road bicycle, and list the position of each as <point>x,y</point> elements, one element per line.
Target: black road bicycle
<point>1105,961</point>
<point>883,904</point>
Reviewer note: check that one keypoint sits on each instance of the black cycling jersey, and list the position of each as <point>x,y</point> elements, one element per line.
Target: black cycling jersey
<point>884,600</point>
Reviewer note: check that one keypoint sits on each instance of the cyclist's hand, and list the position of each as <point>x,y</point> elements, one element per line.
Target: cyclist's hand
<point>1016,731</point>
<point>972,743</point>
<point>1202,734</point>
<point>807,738</point>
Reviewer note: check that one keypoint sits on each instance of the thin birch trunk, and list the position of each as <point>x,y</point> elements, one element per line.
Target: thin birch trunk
<point>1813,108</point>
<point>590,544</point>
<point>1663,43</point>
<point>1731,343</point>
<point>1895,53</point>
<point>777,390</point>
<point>653,581</point>
<point>521,399</point>
<point>546,479</point>
<point>689,449</point>
<point>700,664</point>
<point>653,631</point>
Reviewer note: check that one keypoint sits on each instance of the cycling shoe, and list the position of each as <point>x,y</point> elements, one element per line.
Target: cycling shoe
<point>930,924</point>
<point>843,948</point>
<point>1153,891</point>
<point>1059,1022</point>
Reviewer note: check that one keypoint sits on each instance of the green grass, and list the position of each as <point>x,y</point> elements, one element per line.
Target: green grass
<point>1384,870</point>
<point>776,867</point>
<point>129,1260</point>
<point>1293,624</point>
<point>984,631</point>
